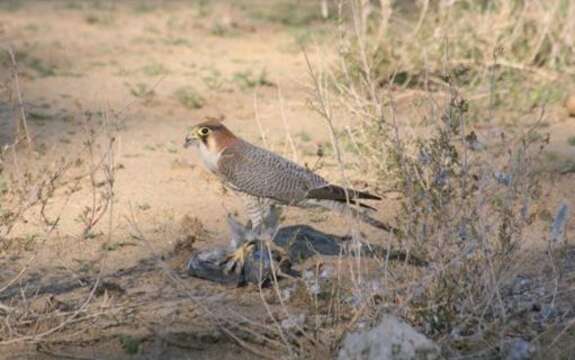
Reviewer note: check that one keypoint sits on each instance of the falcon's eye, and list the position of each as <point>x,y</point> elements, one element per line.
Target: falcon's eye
<point>204,131</point>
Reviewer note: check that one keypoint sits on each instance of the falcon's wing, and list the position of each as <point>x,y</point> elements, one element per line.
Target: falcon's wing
<point>261,173</point>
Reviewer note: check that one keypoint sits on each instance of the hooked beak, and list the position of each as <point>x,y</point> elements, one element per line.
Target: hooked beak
<point>190,141</point>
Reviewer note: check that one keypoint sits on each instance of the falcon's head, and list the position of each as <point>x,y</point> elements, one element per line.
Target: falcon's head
<point>211,134</point>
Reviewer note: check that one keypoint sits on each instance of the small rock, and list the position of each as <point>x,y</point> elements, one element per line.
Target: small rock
<point>520,285</point>
<point>570,105</point>
<point>293,322</point>
<point>287,292</point>
<point>502,178</point>
<point>390,339</point>
<point>518,349</point>
<point>547,313</point>
<point>559,225</point>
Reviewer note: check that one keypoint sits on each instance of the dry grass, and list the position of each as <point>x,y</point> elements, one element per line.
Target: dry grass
<point>470,192</point>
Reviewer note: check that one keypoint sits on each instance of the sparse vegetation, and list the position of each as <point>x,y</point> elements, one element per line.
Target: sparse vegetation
<point>189,97</point>
<point>144,92</point>
<point>288,13</point>
<point>214,79</point>
<point>95,19</point>
<point>246,79</point>
<point>219,29</point>
<point>155,70</point>
<point>465,200</point>
<point>130,344</point>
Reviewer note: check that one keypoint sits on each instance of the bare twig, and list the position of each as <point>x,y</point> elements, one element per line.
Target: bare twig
<point>21,122</point>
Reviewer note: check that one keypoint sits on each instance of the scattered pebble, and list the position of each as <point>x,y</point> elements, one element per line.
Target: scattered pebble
<point>502,178</point>
<point>293,322</point>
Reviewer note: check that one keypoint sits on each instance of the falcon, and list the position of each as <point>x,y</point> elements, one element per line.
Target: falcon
<point>266,180</point>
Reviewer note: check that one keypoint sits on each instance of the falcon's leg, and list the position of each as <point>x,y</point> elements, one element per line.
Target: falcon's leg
<point>263,213</point>
<point>264,217</point>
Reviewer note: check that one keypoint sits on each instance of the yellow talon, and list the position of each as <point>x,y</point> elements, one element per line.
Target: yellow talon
<point>236,260</point>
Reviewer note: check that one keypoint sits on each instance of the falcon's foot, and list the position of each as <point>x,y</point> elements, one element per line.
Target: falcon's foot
<point>235,262</point>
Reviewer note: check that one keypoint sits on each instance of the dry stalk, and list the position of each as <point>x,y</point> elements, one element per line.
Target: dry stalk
<point>21,123</point>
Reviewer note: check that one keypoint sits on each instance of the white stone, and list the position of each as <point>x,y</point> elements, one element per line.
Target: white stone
<point>391,339</point>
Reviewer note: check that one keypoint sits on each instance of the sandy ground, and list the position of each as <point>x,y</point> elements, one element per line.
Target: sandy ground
<point>117,70</point>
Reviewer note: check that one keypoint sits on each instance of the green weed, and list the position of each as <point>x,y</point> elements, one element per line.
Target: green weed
<point>104,19</point>
<point>143,92</point>
<point>155,69</point>
<point>246,79</point>
<point>189,98</point>
<point>130,344</point>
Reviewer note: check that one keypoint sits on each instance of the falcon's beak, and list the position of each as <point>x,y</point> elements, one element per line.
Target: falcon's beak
<point>190,140</point>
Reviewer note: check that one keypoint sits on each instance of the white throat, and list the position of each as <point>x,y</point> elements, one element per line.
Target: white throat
<point>209,159</point>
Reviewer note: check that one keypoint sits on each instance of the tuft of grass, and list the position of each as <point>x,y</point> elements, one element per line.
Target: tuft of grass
<point>72,5</point>
<point>214,79</point>
<point>144,8</point>
<point>303,136</point>
<point>36,66</point>
<point>130,344</point>
<point>247,79</point>
<point>221,30</point>
<point>189,98</point>
<point>155,69</point>
<point>40,67</point>
<point>113,246</point>
<point>100,19</point>
<point>177,41</point>
<point>10,5</point>
<point>3,185</point>
<point>571,140</point>
<point>38,116</point>
<point>288,13</point>
<point>142,91</point>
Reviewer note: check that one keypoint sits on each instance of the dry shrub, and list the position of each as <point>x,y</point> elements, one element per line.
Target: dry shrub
<point>35,189</point>
<point>469,189</point>
<point>437,43</point>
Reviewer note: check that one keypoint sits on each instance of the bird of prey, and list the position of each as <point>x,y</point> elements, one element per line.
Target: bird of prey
<point>266,180</point>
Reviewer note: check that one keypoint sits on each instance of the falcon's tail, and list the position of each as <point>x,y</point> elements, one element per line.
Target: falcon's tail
<point>355,212</point>
<point>341,195</point>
